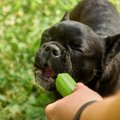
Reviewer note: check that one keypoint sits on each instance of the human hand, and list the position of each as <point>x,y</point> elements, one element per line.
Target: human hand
<point>66,108</point>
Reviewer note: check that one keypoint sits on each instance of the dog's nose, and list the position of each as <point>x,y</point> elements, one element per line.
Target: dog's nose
<point>47,52</point>
<point>52,49</point>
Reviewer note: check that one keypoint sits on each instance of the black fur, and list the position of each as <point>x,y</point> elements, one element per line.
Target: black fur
<point>86,44</point>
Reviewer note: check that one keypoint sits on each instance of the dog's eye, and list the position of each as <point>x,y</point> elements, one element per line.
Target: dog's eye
<point>45,38</point>
<point>79,50</point>
<point>74,44</point>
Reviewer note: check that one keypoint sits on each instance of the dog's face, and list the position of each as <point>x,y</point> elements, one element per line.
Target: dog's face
<point>70,47</point>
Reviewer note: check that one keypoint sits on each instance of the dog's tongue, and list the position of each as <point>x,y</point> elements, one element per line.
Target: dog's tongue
<point>47,72</point>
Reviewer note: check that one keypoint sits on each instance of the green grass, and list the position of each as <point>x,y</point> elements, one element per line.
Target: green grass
<point>21,25</point>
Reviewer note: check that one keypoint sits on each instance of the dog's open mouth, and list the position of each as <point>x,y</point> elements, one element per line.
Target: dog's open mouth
<point>45,77</point>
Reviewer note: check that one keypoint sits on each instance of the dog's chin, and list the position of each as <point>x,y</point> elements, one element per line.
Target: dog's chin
<point>45,77</point>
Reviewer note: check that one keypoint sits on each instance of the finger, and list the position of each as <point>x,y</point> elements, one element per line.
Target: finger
<point>79,86</point>
<point>49,111</point>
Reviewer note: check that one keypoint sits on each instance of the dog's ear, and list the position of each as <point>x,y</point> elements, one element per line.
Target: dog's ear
<point>112,46</point>
<point>65,17</point>
<point>112,42</point>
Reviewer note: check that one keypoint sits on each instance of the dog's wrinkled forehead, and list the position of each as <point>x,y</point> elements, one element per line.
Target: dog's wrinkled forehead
<point>66,30</point>
<point>70,28</point>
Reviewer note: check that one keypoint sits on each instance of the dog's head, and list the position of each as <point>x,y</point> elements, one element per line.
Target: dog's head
<point>70,47</point>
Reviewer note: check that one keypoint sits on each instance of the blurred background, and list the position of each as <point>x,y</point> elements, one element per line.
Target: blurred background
<point>21,25</point>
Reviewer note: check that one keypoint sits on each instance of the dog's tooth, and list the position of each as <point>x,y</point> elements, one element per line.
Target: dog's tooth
<point>38,72</point>
<point>50,79</point>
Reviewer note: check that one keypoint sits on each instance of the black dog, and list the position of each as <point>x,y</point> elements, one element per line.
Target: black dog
<point>86,44</point>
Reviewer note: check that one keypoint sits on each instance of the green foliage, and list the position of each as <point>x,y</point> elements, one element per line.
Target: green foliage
<point>21,25</point>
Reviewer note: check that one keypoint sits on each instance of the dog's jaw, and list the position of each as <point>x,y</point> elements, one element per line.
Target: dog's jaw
<point>45,77</point>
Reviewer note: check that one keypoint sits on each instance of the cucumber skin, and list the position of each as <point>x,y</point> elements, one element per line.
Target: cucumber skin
<point>65,84</point>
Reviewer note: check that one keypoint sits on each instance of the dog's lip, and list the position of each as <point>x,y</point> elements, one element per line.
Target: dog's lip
<point>46,73</point>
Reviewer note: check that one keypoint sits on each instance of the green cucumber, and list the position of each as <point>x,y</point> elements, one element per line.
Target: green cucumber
<point>65,84</point>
